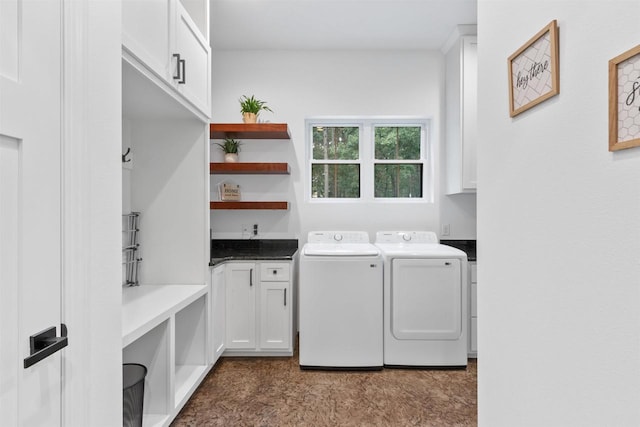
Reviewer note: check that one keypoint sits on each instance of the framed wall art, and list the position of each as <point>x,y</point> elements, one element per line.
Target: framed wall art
<point>533,71</point>
<point>624,100</point>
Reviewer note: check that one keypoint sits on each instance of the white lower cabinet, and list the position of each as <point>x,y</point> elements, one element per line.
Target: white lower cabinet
<point>275,315</point>
<point>218,312</point>
<point>241,306</point>
<point>258,308</point>
<point>473,309</point>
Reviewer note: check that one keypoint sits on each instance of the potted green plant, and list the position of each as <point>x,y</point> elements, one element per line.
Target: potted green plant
<point>250,107</point>
<point>230,147</point>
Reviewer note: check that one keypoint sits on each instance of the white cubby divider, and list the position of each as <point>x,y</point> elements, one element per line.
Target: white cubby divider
<point>191,358</point>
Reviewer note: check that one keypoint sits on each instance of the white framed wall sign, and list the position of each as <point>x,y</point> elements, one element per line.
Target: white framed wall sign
<point>533,71</point>
<point>624,100</point>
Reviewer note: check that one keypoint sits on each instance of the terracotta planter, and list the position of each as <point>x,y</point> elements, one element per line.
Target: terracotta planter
<point>249,117</point>
<point>231,157</point>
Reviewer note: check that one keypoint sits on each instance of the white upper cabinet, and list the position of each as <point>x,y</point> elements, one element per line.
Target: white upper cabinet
<point>146,33</point>
<point>461,88</point>
<point>194,67</point>
<point>169,42</point>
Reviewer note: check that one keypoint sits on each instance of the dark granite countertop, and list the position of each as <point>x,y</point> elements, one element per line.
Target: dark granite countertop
<point>468,246</point>
<point>260,249</point>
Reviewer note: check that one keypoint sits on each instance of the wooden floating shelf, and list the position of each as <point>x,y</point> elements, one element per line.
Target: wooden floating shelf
<point>250,168</point>
<point>250,205</point>
<point>249,131</point>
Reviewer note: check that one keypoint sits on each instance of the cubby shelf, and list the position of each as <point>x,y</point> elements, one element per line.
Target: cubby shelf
<point>249,168</point>
<point>250,205</point>
<point>249,131</point>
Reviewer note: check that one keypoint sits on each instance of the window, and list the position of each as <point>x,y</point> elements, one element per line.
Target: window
<point>368,159</point>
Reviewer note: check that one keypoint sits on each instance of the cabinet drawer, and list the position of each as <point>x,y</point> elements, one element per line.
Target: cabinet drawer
<point>274,272</point>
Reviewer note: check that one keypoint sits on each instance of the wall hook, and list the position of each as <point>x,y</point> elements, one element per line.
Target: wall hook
<point>124,156</point>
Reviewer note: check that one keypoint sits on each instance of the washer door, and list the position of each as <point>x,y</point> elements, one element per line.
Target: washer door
<point>426,299</point>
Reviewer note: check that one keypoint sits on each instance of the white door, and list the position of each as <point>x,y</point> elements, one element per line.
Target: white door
<point>30,208</point>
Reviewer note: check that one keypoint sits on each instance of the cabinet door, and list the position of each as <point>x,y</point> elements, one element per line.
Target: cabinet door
<point>146,33</point>
<point>195,70</point>
<point>275,315</point>
<point>469,129</point>
<point>218,312</point>
<point>473,312</point>
<point>240,306</point>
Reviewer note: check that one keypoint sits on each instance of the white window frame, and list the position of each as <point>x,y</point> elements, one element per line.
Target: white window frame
<point>367,159</point>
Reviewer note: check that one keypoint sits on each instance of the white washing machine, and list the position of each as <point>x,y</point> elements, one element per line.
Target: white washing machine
<point>425,300</point>
<point>340,297</point>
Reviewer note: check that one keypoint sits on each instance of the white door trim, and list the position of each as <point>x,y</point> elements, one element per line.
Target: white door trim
<point>91,200</point>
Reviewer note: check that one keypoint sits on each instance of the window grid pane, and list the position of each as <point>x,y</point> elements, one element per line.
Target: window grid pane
<point>336,143</point>
<point>397,142</point>
<point>398,180</point>
<point>335,180</point>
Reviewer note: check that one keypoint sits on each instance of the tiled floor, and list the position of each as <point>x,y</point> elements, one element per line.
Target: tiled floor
<point>275,392</point>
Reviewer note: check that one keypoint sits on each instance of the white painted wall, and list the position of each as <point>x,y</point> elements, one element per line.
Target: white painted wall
<point>302,84</point>
<point>558,235</point>
<point>166,187</point>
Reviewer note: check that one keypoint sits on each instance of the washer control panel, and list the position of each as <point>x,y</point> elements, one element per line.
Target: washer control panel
<point>406,237</point>
<point>338,237</point>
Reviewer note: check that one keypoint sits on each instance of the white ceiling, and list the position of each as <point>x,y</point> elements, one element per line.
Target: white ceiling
<point>337,24</point>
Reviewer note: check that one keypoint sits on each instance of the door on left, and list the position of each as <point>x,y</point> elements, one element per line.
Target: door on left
<point>30,208</point>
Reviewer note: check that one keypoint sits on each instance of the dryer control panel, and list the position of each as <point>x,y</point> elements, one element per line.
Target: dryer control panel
<point>406,237</point>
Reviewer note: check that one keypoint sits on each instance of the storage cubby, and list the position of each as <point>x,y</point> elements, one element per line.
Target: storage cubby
<point>164,327</point>
<point>152,351</point>
<point>190,348</point>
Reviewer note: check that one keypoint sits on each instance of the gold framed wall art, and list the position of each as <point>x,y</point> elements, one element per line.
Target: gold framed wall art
<point>624,100</point>
<point>533,71</point>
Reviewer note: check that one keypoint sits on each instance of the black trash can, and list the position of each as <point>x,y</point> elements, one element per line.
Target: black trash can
<point>133,375</point>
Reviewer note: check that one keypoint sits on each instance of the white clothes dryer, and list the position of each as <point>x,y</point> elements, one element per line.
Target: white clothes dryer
<point>340,302</point>
<point>425,300</point>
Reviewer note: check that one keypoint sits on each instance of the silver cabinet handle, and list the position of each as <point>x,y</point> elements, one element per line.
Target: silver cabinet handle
<point>178,60</point>
<point>183,63</point>
<point>285,297</point>
<point>181,74</point>
<point>251,277</point>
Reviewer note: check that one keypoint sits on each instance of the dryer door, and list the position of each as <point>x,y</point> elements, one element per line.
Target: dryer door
<point>426,299</point>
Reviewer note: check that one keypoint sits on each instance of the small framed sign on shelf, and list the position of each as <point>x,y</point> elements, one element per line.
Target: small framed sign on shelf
<point>624,100</point>
<point>229,192</point>
<point>533,71</point>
